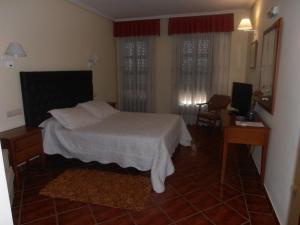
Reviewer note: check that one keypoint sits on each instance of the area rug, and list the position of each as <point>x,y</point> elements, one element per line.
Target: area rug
<point>101,188</point>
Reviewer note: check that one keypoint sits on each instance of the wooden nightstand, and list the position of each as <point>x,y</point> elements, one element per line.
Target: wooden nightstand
<point>23,143</point>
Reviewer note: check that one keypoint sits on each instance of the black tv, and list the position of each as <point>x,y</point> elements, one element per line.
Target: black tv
<point>241,97</point>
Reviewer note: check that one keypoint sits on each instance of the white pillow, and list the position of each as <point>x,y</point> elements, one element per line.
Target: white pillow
<point>99,109</point>
<point>45,123</point>
<point>72,118</point>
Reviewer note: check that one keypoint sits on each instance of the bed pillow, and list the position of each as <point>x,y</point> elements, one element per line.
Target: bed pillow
<point>45,122</point>
<point>72,118</point>
<point>98,109</point>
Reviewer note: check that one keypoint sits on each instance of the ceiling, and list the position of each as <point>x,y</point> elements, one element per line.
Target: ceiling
<point>125,9</point>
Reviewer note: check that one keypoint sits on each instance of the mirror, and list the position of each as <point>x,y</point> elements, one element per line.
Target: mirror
<point>269,67</point>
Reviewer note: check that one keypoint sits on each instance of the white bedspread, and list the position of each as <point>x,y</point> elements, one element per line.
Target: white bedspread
<point>141,140</point>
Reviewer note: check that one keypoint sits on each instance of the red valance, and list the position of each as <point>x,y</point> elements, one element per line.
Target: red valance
<point>137,28</point>
<point>201,24</point>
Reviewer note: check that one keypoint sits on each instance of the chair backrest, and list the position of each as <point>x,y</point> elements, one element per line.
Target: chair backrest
<point>218,102</point>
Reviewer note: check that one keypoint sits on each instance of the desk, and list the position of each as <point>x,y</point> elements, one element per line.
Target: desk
<point>233,134</point>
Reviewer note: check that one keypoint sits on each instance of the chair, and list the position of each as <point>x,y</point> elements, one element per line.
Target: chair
<point>214,106</point>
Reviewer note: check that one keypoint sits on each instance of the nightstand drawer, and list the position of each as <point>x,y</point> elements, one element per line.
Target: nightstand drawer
<point>28,141</point>
<point>28,153</point>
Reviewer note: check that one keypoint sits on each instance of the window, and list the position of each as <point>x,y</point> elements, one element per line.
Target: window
<point>202,69</point>
<point>135,80</point>
<point>194,73</point>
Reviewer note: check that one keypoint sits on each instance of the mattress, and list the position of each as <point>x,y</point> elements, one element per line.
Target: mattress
<point>142,140</point>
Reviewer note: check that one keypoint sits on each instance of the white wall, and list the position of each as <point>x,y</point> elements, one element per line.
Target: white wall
<point>163,60</point>
<point>285,122</point>
<point>56,35</point>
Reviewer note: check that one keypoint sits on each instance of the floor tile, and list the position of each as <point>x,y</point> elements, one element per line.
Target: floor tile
<point>204,180</point>
<point>177,208</point>
<point>125,220</point>
<point>77,217</point>
<point>46,221</point>
<point>103,213</point>
<point>183,185</point>
<point>37,210</point>
<point>234,182</point>
<point>188,169</point>
<point>202,199</point>
<point>261,219</point>
<point>249,175</point>
<point>33,195</point>
<point>239,204</point>
<point>36,181</point>
<point>253,187</point>
<point>258,204</point>
<point>195,220</point>
<point>222,215</point>
<point>223,192</point>
<point>65,205</point>
<point>152,215</point>
<point>169,193</point>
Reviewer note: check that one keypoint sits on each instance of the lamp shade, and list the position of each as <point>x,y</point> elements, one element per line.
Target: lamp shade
<point>245,25</point>
<point>16,50</point>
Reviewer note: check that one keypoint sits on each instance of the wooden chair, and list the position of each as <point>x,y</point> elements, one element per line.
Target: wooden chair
<point>214,106</point>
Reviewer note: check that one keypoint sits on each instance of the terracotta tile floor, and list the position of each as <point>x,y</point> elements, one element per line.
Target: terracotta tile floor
<point>193,193</point>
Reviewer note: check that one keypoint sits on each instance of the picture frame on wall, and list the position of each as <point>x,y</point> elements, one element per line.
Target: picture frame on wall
<point>253,54</point>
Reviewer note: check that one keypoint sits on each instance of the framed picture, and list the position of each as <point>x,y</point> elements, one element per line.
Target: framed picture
<point>253,54</point>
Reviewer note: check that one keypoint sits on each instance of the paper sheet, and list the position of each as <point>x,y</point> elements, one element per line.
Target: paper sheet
<point>249,124</point>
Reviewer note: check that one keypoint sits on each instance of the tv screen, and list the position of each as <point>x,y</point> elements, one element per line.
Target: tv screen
<point>241,97</point>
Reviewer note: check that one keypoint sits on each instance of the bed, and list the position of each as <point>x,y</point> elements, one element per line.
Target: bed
<point>141,140</point>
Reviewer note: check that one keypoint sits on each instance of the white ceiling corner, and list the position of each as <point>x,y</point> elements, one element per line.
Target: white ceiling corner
<point>86,5</point>
<point>132,9</point>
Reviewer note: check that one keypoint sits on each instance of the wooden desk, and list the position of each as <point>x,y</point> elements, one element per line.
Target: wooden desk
<point>233,134</point>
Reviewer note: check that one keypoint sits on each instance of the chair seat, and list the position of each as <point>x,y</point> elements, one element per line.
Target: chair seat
<point>209,115</point>
<point>214,107</point>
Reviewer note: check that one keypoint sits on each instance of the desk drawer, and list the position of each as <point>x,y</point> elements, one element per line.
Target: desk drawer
<point>28,141</point>
<point>254,136</point>
<point>28,153</point>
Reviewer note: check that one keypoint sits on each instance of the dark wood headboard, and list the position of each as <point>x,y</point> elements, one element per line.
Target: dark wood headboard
<point>43,91</point>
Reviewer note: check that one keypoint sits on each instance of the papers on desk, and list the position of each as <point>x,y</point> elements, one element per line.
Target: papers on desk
<point>248,124</point>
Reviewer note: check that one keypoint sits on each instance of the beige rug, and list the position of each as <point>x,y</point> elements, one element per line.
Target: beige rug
<point>102,188</point>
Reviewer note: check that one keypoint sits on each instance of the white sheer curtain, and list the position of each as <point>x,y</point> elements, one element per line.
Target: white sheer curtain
<point>201,69</point>
<point>135,78</point>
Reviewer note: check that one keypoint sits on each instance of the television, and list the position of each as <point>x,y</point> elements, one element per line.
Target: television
<point>241,97</point>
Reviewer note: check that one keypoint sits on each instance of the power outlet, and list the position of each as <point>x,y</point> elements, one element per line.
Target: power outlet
<point>14,112</point>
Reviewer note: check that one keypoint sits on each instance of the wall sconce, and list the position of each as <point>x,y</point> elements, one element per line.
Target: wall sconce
<point>274,11</point>
<point>245,25</point>
<point>13,51</point>
<point>93,59</point>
